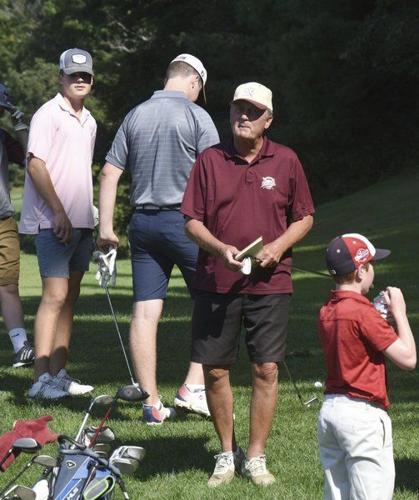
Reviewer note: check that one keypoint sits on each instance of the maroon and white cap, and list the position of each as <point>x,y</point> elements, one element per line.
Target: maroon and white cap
<point>346,253</point>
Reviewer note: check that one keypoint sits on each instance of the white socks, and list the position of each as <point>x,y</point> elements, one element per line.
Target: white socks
<point>195,387</point>
<point>18,337</point>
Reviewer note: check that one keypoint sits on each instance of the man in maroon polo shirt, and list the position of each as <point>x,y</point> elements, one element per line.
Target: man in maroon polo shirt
<point>236,193</point>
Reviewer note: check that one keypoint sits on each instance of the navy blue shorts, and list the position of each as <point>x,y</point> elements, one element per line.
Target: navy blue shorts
<point>158,242</point>
<point>217,322</point>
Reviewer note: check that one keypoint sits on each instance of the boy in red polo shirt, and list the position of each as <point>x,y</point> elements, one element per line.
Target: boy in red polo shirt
<point>354,430</point>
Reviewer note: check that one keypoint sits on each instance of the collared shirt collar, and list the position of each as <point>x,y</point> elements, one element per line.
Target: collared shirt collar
<point>168,93</point>
<point>337,295</point>
<point>85,113</point>
<point>266,151</point>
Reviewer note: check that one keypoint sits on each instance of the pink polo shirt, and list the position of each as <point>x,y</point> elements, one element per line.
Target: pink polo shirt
<point>65,143</point>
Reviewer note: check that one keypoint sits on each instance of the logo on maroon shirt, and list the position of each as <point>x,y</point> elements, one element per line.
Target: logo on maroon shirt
<point>268,183</point>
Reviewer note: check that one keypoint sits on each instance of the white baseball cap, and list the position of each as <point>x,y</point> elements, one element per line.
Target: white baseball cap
<point>256,93</point>
<point>195,63</point>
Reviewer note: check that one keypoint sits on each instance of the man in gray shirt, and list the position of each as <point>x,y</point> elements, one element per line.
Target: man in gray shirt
<point>158,142</point>
<point>10,304</point>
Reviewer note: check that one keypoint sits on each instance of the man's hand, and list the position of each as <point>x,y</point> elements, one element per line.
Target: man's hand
<point>106,240</point>
<point>227,253</point>
<point>62,227</point>
<point>270,255</point>
<point>17,114</point>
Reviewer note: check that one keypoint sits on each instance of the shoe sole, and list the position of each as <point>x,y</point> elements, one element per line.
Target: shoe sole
<point>19,364</point>
<point>80,393</point>
<point>184,405</point>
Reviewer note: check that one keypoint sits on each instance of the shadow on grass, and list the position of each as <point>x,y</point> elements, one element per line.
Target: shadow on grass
<point>406,475</point>
<point>189,452</point>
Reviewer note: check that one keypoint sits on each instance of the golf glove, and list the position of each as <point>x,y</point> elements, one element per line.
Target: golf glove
<point>106,273</point>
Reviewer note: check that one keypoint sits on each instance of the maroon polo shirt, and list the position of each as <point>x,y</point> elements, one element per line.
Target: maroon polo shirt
<point>238,202</point>
<point>353,336</point>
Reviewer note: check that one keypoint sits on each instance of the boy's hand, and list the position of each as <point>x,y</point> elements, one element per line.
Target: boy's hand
<point>395,301</point>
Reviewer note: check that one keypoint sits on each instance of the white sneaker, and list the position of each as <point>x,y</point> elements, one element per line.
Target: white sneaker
<point>255,469</point>
<point>194,401</point>
<point>224,469</point>
<point>45,388</point>
<point>66,383</point>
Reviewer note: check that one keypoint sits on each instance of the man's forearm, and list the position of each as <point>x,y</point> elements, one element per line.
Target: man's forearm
<point>294,233</point>
<point>109,178</point>
<point>43,184</point>
<point>197,232</point>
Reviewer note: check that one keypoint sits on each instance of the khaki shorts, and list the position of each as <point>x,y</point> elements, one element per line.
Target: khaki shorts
<point>9,252</point>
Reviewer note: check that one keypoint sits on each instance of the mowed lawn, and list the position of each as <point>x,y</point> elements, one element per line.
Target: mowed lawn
<point>179,455</point>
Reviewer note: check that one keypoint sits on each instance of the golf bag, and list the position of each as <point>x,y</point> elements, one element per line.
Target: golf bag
<point>82,474</point>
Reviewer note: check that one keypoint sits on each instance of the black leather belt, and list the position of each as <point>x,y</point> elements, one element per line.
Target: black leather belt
<point>150,206</point>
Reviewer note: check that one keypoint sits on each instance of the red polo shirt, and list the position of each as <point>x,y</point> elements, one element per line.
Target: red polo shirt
<point>353,336</point>
<point>238,202</point>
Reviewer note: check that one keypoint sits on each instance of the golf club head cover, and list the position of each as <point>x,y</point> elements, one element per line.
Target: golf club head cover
<point>106,273</point>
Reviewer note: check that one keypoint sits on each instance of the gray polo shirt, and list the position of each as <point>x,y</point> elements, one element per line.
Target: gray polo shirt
<point>159,140</point>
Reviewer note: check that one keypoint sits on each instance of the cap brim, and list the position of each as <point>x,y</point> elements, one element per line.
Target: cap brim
<point>78,69</point>
<point>381,253</point>
<point>257,104</point>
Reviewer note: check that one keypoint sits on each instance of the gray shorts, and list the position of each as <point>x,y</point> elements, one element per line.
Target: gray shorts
<point>56,259</point>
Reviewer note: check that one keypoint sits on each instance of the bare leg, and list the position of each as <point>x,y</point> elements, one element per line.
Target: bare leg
<point>54,293</point>
<point>11,306</point>
<point>220,402</point>
<point>143,339</point>
<point>262,408</point>
<point>62,338</point>
<point>195,374</point>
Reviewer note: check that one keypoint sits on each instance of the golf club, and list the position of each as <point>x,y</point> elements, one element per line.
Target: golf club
<point>28,445</point>
<point>19,492</point>
<point>129,393</point>
<point>309,402</point>
<point>106,263</point>
<point>102,399</point>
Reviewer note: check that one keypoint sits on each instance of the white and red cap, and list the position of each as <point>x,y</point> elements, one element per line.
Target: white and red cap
<point>346,253</point>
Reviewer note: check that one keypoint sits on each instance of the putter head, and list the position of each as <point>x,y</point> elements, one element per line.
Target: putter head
<point>134,452</point>
<point>309,403</point>
<point>19,492</point>
<point>27,445</point>
<point>131,393</point>
<point>125,465</point>
<point>45,461</point>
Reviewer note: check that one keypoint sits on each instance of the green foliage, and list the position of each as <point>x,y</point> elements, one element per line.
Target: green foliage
<point>344,73</point>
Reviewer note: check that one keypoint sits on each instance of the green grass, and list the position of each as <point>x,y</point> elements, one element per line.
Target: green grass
<point>180,454</point>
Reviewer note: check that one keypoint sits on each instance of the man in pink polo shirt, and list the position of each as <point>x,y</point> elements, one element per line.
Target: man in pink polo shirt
<point>252,187</point>
<point>58,209</point>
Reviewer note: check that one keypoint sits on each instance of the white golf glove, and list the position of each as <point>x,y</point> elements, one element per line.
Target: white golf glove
<point>106,273</point>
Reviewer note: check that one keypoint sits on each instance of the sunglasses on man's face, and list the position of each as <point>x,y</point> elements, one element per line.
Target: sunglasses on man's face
<point>86,77</point>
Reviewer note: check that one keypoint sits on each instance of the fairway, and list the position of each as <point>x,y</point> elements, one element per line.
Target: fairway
<point>179,454</point>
